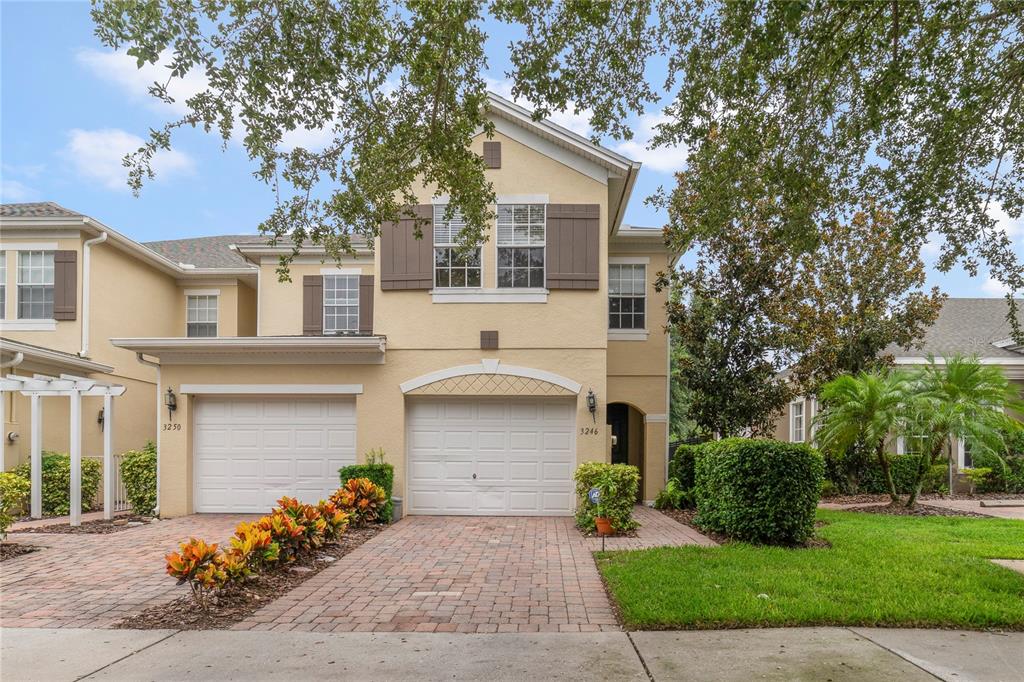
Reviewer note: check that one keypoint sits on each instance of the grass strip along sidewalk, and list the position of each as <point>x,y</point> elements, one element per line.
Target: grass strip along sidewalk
<point>880,571</point>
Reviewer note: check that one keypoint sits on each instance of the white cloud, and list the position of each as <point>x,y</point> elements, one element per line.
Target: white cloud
<point>1014,229</point>
<point>661,159</point>
<point>578,123</point>
<point>29,171</point>
<point>993,287</point>
<point>14,191</point>
<point>97,155</point>
<point>121,70</point>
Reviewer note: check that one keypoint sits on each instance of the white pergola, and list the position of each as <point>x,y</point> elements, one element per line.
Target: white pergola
<point>42,386</point>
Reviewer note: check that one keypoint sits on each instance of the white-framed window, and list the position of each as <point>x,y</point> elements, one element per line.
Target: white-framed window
<point>796,421</point>
<point>35,285</point>
<point>201,315</point>
<point>453,267</point>
<point>3,285</point>
<point>627,296</point>
<point>521,245</point>
<point>341,304</point>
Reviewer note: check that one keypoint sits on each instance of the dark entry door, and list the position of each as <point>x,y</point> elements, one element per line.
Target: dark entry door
<point>618,420</point>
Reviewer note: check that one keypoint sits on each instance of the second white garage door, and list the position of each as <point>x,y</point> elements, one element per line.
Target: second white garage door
<point>251,451</point>
<point>491,456</point>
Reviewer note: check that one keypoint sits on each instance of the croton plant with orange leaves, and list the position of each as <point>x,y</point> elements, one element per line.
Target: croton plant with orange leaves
<point>362,498</point>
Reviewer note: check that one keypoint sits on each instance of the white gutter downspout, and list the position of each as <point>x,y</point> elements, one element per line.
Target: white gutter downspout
<point>159,394</point>
<point>15,361</point>
<point>86,250</point>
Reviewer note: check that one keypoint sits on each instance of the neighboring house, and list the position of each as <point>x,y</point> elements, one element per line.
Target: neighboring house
<point>968,326</point>
<point>68,284</point>
<point>487,378</point>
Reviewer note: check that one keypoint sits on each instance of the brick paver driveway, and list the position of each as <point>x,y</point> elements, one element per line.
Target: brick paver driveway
<point>466,574</point>
<point>96,580</point>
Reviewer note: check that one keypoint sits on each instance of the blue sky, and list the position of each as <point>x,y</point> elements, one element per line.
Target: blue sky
<point>71,109</point>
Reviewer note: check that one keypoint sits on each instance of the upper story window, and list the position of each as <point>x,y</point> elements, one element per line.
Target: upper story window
<point>201,319</point>
<point>3,285</point>
<point>453,267</point>
<point>341,304</point>
<point>796,422</point>
<point>521,245</point>
<point>35,285</point>
<point>627,296</point>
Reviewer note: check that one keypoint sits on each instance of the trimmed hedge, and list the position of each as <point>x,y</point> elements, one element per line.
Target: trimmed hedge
<point>138,471</point>
<point>57,482</point>
<point>869,478</point>
<point>14,491</point>
<point>681,466</point>
<point>382,474</point>
<point>760,491</point>
<point>617,506</point>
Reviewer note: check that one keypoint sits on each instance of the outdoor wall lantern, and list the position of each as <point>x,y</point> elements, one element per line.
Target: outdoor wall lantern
<point>171,401</point>
<point>592,404</point>
<point>99,419</point>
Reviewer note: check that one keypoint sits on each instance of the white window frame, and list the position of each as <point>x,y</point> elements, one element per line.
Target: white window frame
<point>210,294</point>
<point>3,284</point>
<point>792,421</point>
<point>19,283</point>
<point>346,275</point>
<point>451,243</point>
<point>543,246</point>
<point>627,332</point>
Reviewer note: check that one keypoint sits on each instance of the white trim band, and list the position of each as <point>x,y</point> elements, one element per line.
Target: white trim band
<point>628,334</point>
<point>29,246</point>
<point>629,260</point>
<point>489,295</point>
<point>271,389</point>
<point>341,271</point>
<point>28,325</point>
<point>202,292</point>
<point>655,418</point>
<point>491,367</point>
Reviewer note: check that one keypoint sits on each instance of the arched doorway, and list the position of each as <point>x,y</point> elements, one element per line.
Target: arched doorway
<point>626,424</point>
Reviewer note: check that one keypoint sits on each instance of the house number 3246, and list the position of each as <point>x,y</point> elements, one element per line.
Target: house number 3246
<point>172,427</point>
<point>588,430</point>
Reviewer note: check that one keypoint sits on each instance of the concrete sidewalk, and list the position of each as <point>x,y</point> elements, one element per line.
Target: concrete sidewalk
<point>835,654</point>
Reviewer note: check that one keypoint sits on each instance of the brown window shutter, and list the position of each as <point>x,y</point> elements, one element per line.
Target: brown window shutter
<point>492,155</point>
<point>407,262</point>
<point>365,304</point>
<point>65,285</point>
<point>312,305</point>
<point>573,246</point>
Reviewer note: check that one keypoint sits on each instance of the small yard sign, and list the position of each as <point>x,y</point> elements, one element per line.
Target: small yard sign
<point>594,495</point>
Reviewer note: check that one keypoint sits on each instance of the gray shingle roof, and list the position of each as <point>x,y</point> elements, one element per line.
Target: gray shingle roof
<point>968,326</point>
<point>204,252</point>
<point>39,209</point>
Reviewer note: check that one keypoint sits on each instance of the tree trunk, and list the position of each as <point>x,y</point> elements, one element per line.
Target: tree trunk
<point>922,468</point>
<point>883,462</point>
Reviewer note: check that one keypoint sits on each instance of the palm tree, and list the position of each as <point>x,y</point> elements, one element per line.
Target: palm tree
<point>861,411</point>
<point>959,399</point>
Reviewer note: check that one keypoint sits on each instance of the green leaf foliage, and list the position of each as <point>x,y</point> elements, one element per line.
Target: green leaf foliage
<point>57,482</point>
<point>760,491</point>
<point>380,473</point>
<point>618,485</point>
<point>14,491</point>
<point>138,471</point>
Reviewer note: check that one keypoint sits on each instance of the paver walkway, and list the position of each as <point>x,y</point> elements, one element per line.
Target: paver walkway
<point>93,580</point>
<point>975,506</point>
<point>467,574</point>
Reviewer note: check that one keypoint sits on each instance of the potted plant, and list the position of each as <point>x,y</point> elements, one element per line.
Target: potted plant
<point>606,488</point>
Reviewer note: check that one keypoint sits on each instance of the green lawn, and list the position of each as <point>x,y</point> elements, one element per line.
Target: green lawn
<point>880,570</point>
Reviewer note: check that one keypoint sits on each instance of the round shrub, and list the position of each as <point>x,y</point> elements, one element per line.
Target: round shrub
<point>381,473</point>
<point>761,491</point>
<point>57,482</point>
<point>618,484</point>
<point>138,471</point>
<point>681,466</point>
<point>13,491</point>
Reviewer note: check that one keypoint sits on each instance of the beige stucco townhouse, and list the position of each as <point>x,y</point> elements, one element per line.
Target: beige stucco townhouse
<point>965,326</point>
<point>485,378</point>
<point>69,283</point>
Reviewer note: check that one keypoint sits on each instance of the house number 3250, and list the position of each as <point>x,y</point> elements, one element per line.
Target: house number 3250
<point>588,430</point>
<point>172,427</point>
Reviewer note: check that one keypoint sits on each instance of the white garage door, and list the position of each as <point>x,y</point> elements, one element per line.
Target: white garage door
<point>491,456</point>
<point>251,451</point>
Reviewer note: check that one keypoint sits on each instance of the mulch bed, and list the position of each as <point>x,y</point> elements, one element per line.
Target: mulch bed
<point>237,602</point>
<point>918,510</point>
<point>868,498</point>
<point>687,516</point>
<point>96,527</point>
<point>9,550</point>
